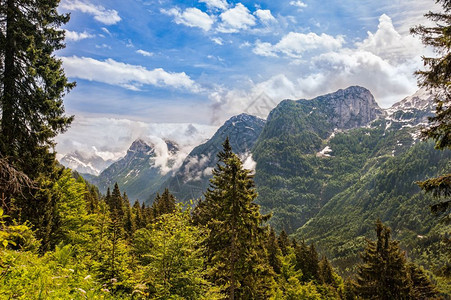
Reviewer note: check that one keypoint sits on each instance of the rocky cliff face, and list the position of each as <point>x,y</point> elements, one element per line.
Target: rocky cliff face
<point>353,107</point>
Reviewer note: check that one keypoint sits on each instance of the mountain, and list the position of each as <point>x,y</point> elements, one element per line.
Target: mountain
<point>293,180</point>
<point>143,169</point>
<point>86,164</point>
<point>192,178</point>
<point>413,110</point>
<point>329,167</point>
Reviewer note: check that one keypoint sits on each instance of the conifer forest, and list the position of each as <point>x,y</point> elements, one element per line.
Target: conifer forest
<point>327,198</point>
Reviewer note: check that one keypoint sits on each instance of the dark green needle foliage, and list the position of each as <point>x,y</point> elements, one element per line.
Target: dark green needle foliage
<point>386,274</point>
<point>235,247</point>
<point>437,77</point>
<point>32,83</point>
<point>383,274</point>
<point>164,204</point>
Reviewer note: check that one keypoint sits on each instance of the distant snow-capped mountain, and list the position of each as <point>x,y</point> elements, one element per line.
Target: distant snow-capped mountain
<point>87,164</point>
<point>413,110</point>
<point>143,169</point>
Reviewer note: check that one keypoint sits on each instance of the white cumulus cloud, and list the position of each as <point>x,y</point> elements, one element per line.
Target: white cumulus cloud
<point>298,3</point>
<point>387,43</point>
<point>236,19</point>
<point>215,4</point>
<point>144,52</point>
<point>128,76</point>
<point>265,16</point>
<point>191,17</point>
<point>77,36</point>
<point>294,44</point>
<point>100,13</point>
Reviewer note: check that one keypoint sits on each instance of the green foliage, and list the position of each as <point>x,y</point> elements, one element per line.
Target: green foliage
<point>436,78</point>
<point>163,204</point>
<point>234,246</point>
<point>32,84</point>
<point>56,275</point>
<point>16,236</point>
<point>438,72</point>
<point>385,273</point>
<point>170,255</point>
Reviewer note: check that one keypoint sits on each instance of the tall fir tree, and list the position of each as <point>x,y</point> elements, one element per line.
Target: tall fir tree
<point>137,212</point>
<point>383,274</point>
<point>284,242</point>
<point>437,78</point>
<point>235,244</point>
<point>274,252</point>
<point>32,87</point>
<point>116,203</point>
<point>32,83</point>
<point>307,261</point>
<point>326,272</point>
<point>422,287</point>
<point>164,204</point>
<point>129,219</point>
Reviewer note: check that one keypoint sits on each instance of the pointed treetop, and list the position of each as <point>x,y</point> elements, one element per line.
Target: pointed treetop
<point>226,150</point>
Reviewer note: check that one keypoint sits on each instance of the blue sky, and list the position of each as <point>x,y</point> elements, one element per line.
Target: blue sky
<point>202,61</point>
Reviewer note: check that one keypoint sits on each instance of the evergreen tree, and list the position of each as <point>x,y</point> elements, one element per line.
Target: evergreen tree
<point>116,203</point>
<point>383,274</point>
<point>284,242</point>
<point>164,204</point>
<point>32,84</point>
<point>235,245</point>
<point>307,261</point>
<point>437,78</point>
<point>274,252</point>
<point>326,272</point>
<point>313,263</point>
<point>115,252</point>
<point>129,220</point>
<point>92,198</point>
<point>422,287</point>
<point>137,212</point>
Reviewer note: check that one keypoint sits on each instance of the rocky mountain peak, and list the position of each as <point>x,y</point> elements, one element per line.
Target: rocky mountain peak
<point>354,106</point>
<point>243,119</point>
<point>421,100</point>
<point>139,146</point>
<point>414,109</point>
<point>83,163</point>
<point>173,147</point>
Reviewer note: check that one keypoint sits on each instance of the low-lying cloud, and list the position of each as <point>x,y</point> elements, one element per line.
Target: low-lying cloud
<point>110,138</point>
